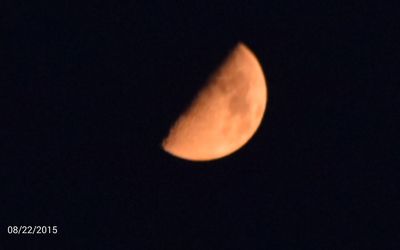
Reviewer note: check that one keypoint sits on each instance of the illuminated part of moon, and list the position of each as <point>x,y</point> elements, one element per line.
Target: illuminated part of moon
<point>226,112</point>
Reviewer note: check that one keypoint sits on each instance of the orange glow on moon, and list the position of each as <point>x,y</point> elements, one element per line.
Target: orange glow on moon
<point>225,114</point>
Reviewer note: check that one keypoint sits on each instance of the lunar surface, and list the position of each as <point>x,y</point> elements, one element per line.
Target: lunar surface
<point>226,112</point>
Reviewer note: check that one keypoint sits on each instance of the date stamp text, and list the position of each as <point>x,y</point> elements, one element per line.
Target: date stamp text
<point>23,229</point>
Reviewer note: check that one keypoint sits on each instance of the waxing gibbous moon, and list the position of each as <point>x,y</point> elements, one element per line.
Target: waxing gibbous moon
<point>226,112</point>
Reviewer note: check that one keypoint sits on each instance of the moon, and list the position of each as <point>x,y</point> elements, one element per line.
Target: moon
<point>226,112</point>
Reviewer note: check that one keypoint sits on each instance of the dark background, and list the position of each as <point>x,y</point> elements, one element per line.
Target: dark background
<point>90,90</point>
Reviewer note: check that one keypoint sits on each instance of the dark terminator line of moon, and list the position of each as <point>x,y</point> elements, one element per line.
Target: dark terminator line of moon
<point>226,112</point>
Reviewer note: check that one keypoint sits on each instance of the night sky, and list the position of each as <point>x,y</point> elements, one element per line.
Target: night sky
<point>90,91</point>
